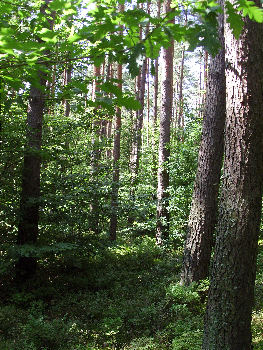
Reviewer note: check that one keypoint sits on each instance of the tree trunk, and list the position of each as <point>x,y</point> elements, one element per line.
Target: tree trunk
<point>137,131</point>
<point>155,104</point>
<point>202,219</point>
<point>116,160</point>
<point>67,80</point>
<point>231,294</point>
<point>164,141</point>
<point>30,196</point>
<point>29,205</point>
<point>95,157</point>
<point>180,96</point>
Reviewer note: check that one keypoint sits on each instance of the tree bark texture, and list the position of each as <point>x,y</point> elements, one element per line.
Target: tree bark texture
<point>203,213</point>
<point>29,205</point>
<point>231,294</point>
<point>164,141</point>
<point>30,196</point>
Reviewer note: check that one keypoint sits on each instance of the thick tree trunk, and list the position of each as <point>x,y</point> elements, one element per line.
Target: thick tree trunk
<point>202,219</point>
<point>231,294</point>
<point>30,196</point>
<point>164,141</point>
<point>29,206</point>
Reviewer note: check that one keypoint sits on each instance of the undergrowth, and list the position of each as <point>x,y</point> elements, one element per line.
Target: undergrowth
<point>123,296</point>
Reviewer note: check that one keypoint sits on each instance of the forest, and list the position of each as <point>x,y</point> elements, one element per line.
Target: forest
<point>131,168</point>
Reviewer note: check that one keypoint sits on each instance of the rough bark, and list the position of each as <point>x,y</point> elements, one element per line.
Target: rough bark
<point>202,218</point>
<point>164,141</point>
<point>30,196</point>
<point>231,294</point>
<point>29,205</point>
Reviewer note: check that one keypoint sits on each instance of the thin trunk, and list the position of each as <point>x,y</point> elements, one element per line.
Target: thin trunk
<point>137,130</point>
<point>109,122</point>
<point>67,80</point>
<point>203,212</point>
<point>116,158</point>
<point>95,156</point>
<point>180,93</point>
<point>164,141</point>
<point>148,99</point>
<point>231,293</point>
<point>116,165</point>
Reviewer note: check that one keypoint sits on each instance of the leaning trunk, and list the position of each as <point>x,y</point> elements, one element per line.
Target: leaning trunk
<point>231,294</point>
<point>203,212</point>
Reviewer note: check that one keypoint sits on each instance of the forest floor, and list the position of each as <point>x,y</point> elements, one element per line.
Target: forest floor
<point>123,295</point>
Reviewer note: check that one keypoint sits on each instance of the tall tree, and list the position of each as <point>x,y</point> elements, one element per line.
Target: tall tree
<point>202,219</point>
<point>155,101</point>
<point>116,158</point>
<point>138,124</point>
<point>96,154</point>
<point>164,140</point>
<point>29,204</point>
<point>231,293</point>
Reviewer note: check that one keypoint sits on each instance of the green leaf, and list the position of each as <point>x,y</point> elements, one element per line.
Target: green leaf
<point>250,9</point>
<point>129,103</point>
<point>48,35</point>
<point>111,88</point>
<point>234,19</point>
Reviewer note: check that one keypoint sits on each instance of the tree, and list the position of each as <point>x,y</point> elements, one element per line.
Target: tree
<point>231,294</point>
<point>164,140</point>
<point>138,125</point>
<point>203,213</point>
<point>30,196</point>
<point>116,158</point>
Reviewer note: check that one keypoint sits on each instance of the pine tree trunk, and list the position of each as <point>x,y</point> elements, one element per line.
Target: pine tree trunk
<point>95,157</point>
<point>180,120</point>
<point>164,141</point>
<point>202,219</point>
<point>155,105</point>
<point>116,160</point>
<point>231,294</point>
<point>137,132</point>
